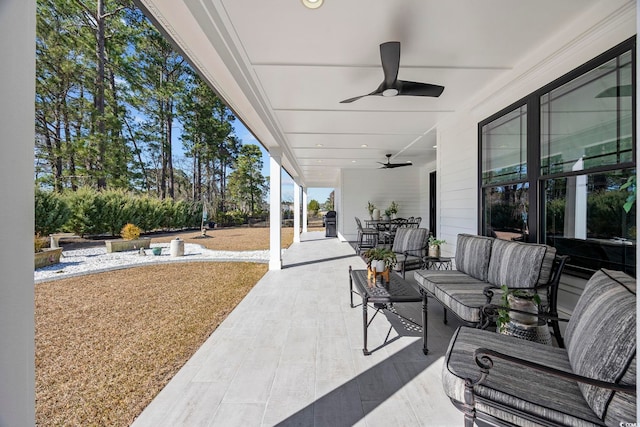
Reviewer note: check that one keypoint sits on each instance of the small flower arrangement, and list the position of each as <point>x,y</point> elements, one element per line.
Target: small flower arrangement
<point>392,209</point>
<point>370,207</point>
<point>436,242</point>
<point>130,232</point>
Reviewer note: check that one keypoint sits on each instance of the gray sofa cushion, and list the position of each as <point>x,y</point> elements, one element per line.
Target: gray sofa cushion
<point>460,292</point>
<point>408,262</point>
<point>601,342</point>
<point>551,399</point>
<point>516,264</point>
<point>473,254</point>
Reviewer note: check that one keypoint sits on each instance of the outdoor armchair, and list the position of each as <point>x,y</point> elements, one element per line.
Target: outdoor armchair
<point>410,246</point>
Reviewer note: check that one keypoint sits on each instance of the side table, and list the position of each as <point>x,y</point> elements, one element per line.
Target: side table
<point>537,333</point>
<point>437,263</point>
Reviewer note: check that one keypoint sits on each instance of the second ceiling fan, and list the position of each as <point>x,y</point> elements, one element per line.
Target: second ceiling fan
<point>391,86</point>
<point>390,165</point>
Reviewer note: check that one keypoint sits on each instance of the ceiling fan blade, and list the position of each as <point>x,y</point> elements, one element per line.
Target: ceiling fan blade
<point>398,165</point>
<point>350,100</point>
<point>355,98</point>
<point>419,89</point>
<point>390,57</point>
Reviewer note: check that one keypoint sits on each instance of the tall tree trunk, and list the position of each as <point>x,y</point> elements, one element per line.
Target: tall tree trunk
<point>132,138</point>
<point>170,149</point>
<point>163,151</point>
<point>99,101</point>
<point>57,150</point>
<point>194,168</point>
<point>68,146</point>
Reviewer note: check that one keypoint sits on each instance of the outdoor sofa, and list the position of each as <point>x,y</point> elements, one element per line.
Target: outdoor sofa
<point>483,265</point>
<point>499,380</point>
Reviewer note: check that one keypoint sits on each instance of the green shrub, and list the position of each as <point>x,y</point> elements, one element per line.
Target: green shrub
<point>51,212</point>
<point>85,217</point>
<point>146,212</point>
<point>115,211</point>
<point>91,212</point>
<point>231,218</point>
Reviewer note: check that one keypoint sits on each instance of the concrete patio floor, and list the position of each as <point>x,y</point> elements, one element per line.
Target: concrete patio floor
<point>290,354</point>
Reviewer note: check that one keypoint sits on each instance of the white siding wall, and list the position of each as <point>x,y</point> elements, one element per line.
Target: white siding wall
<point>407,186</point>
<point>457,182</point>
<point>594,32</point>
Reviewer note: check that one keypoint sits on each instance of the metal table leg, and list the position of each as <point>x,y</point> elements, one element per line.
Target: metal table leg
<point>365,325</point>
<point>425,350</point>
<point>351,287</point>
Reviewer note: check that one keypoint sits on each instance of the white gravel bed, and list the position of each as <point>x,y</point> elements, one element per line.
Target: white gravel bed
<point>95,260</point>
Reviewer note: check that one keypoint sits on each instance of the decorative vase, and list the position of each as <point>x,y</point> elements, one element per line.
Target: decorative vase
<point>523,304</point>
<point>394,216</point>
<point>156,251</point>
<point>376,214</point>
<point>378,265</point>
<point>434,251</point>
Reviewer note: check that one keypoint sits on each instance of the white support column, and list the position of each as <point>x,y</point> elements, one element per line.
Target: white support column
<point>275,215</point>
<point>296,212</point>
<point>17,114</point>
<point>305,202</point>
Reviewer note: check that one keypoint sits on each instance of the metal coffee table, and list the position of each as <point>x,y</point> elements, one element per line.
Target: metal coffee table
<point>382,295</point>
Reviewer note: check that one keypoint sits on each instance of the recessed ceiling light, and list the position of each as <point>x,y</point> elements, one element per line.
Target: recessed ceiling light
<point>435,146</point>
<point>364,146</point>
<point>319,161</point>
<point>353,161</point>
<point>319,145</point>
<point>312,4</point>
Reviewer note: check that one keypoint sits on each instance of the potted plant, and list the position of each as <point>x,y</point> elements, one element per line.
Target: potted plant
<point>392,210</point>
<point>374,213</point>
<point>434,246</point>
<point>523,300</point>
<point>131,240</point>
<point>380,259</point>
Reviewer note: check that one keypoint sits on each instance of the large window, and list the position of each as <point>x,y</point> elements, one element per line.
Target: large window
<point>553,164</point>
<point>504,175</point>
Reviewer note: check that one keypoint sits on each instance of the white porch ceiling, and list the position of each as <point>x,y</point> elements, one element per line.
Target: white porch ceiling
<point>284,68</point>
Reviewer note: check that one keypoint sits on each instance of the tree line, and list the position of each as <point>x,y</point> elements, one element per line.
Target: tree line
<point>110,94</point>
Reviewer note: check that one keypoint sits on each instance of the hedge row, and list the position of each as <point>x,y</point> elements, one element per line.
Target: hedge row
<point>91,212</point>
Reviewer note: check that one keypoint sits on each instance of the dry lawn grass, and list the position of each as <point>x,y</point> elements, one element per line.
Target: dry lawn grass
<point>107,343</point>
<point>230,239</point>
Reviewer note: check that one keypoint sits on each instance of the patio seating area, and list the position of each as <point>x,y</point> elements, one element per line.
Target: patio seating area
<point>291,354</point>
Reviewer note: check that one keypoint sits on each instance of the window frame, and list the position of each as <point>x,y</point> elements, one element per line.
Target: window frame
<point>535,178</point>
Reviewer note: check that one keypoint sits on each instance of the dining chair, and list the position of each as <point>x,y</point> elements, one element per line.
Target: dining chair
<point>367,237</point>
